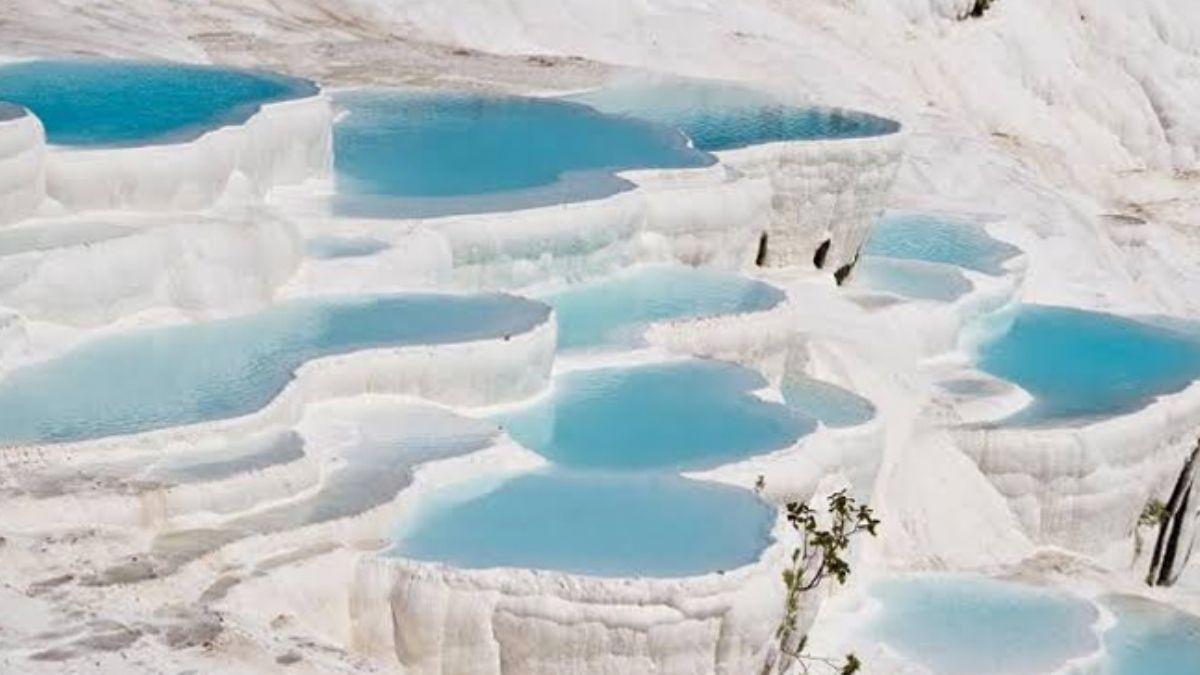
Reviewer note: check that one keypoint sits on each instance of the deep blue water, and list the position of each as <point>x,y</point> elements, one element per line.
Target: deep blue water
<point>911,278</point>
<point>722,116</point>
<point>1151,639</point>
<point>616,310</point>
<point>939,239</point>
<point>959,625</point>
<point>592,523</point>
<point>827,403</point>
<point>100,102</point>
<point>328,246</point>
<point>164,377</point>
<point>1080,364</point>
<point>672,416</point>
<point>417,154</point>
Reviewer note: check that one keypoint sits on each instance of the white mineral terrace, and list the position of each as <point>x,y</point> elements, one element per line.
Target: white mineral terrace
<point>1043,157</point>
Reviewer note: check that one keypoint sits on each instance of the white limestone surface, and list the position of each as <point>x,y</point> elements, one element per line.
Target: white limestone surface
<point>1083,486</point>
<point>284,142</point>
<point>87,270</point>
<point>22,165</point>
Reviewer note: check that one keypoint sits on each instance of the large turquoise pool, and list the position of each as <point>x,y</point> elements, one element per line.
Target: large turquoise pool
<point>103,102</point>
<point>615,311</point>
<point>403,153</point>
<point>165,377</point>
<point>681,415</point>
<point>1080,364</point>
<point>591,523</point>
<point>723,116</point>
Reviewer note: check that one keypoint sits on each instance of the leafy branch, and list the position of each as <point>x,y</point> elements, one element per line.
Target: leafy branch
<point>821,554</point>
<point>1153,514</point>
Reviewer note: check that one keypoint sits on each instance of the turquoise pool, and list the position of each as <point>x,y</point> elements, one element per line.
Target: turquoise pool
<point>911,278</point>
<point>592,523</point>
<point>102,102</point>
<point>939,239</point>
<point>826,403</point>
<point>328,247</point>
<point>150,379</point>
<point>672,416</point>
<point>615,311</point>
<point>407,153</point>
<point>1151,639</point>
<point>1080,364</point>
<point>963,625</point>
<point>723,116</point>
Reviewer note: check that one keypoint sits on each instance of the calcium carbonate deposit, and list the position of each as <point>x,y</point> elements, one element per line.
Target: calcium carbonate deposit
<point>510,336</point>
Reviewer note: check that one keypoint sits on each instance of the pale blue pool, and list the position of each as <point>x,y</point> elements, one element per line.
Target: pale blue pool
<point>688,414</point>
<point>615,311</point>
<point>1079,364</point>
<point>592,523</point>
<point>416,154</point>
<point>827,403</point>
<point>962,625</point>
<point>723,116</point>
<point>329,247</point>
<point>102,102</point>
<point>911,278</point>
<point>939,239</point>
<point>158,378</point>
<point>1151,639</point>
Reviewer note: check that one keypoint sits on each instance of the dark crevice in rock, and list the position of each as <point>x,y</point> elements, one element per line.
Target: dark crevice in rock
<point>1177,534</point>
<point>822,252</point>
<point>761,258</point>
<point>977,9</point>
<point>843,272</point>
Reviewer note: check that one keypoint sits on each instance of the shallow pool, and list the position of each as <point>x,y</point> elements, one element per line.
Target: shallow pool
<point>328,247</point>
<point>914,279</point>
<point>1151,639</point>
<point>723,116</point>
<point>960,625</point>
<point>1080,364</point>
<point>418,154</point>
<point>102,102</point>
<point>939,239</point>
<point>687,414</point>
<point>9,111</point>
<point>617,310</point>
<point>826,403</point>
<point>591,523</point>
<point>158,378</point>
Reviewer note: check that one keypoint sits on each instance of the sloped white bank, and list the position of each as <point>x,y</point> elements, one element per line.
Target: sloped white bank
<point>284,142</point>
<point>87,270</point>
<point>22,164</point>
<point>1083,487</point>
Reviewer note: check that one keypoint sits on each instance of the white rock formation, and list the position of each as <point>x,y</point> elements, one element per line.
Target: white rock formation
<point>284,142</point>
<point>22,164</point>
<point>822,191</point>
<point>1070,123</point>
